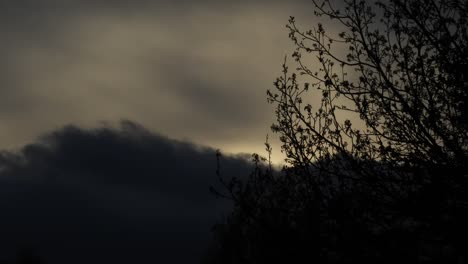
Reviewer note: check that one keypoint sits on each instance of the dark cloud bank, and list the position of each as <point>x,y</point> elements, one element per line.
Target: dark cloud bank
<point>110,195</point>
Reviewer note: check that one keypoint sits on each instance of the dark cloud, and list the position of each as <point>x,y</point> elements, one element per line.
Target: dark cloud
<point>111,195</point>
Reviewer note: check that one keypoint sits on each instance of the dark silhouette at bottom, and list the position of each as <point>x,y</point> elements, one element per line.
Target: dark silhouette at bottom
<point>284,218</point>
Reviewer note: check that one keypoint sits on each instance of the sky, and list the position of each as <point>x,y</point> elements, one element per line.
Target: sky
<point>111,112</point>
<point>193,71</point>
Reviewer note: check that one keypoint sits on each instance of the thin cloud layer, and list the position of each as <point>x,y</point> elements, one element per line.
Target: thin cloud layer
<point>111,196</point>
<point>192,71</point>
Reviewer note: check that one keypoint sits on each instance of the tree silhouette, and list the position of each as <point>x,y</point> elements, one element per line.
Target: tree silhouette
<point>377,170</point>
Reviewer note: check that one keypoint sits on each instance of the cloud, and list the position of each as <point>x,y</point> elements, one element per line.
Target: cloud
<point>111,195</point>
<point>193,71</point>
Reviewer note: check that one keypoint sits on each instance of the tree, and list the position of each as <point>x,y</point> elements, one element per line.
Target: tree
<point>377,171</point>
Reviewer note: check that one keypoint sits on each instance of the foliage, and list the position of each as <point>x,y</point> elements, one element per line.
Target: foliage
<point>376,172</point>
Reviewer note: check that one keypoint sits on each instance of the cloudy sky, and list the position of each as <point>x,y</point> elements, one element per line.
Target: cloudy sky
<point>78,184</point>
<point>111,195</point>
<point>195,71</point>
